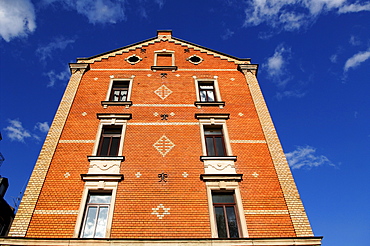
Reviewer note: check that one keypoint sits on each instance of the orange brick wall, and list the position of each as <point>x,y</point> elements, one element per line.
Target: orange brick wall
<point>186,197</point>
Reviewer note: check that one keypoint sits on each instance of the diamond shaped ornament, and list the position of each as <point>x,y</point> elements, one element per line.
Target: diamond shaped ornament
<point>163,145</point>
<point>163,92</point>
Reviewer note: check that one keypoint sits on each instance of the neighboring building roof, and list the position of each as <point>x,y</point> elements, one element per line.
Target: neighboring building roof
<point>163,35</point>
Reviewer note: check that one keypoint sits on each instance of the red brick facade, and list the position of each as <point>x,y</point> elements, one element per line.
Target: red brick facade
<point>268,210</point>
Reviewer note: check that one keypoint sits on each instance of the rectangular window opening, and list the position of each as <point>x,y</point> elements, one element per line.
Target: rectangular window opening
<point>225,214</point>
<point>110,141</point>
<point>96,215</point>
<point>164,59</point>
<point>214,139</point>
<point>207,92</point>
<point>120,91</point>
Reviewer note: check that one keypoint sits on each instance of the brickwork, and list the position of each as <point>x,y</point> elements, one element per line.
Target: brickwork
<point>292,198</point>
<point>31,194</point>
<point>146,206</point>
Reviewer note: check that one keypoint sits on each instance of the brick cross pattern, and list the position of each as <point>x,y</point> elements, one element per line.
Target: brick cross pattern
<point>163,92</point>
<point>160,215</point>
<point>163,145</point>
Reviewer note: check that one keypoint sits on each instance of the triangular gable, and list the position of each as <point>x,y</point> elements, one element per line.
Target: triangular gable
<point>163,36</point>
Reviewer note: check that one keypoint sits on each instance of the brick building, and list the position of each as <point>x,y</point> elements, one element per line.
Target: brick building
<point>163,142</point>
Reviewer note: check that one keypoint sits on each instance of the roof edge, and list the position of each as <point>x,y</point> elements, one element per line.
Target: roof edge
<point>160,34</point>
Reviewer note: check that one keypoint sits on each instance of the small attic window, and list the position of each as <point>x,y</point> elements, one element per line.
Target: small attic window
<point>133,59</point>
<point>164,60</point>
<point>195,59</point>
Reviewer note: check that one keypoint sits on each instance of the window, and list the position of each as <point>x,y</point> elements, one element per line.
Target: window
<point>225,213</point>
<point>207,92</point>
<point>214,141</point>
<point>96,216</point>
<point>110,141</point>
<point>120,91</point>
<point>164,59</point>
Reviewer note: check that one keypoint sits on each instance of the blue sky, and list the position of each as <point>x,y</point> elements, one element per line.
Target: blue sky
<point>314,58</point>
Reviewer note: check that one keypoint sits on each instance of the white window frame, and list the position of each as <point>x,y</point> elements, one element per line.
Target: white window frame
<point>130,81</point>
<point>226,186</point>
<point>215,122</point>
<point>164,51</point>
<point>108,120</point>
<point>215,84</point>
<point>96,187</point>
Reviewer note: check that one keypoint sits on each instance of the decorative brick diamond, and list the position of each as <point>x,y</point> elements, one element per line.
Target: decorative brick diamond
<point>159,213</point>
<point>177,75</point>
<point>84,114</point>
<point>163,92</point>
<point>255,174</point>
<point>232,79</point>
<point>148,75</point>
<point>172,113</point>
<point>67,174</point>
<point>138,175</point>
<point>163,145</point>
<point>96,78</point>
<point>185,174</point>
<point>155,114</point>
<point>240,114</point>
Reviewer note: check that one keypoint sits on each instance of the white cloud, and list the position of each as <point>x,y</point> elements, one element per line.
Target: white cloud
<point>46,51</point>
<point>16,132</point>
<point>293,93</point>
<point>355,41</point>
<point>356,7</point>
<point>276,65</point>
<point>292,15</point>
<point>334,58</point>
<point>228,34</point>
<point>306,157</point>
<point>17,18</point>
<point>357,59</point>
<point>160,3</point>
<point>54,77</point>
<point>42,127</point>
<point>96,11</point>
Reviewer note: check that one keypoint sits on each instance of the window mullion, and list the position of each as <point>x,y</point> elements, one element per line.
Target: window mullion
<point>96,219</point>
<point>226,222</point>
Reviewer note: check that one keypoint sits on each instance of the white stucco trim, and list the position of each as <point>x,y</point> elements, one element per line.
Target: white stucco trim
<point>96,187</point>
<point>226,186</point>
<point>130,85</point>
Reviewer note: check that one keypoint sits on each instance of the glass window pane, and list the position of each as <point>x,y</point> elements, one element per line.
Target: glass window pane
<point>101,198</point>
<point>210,146</point>
<point>204,87</point>
<point>223,198</point>
<point>203,96</point>
<point>101,224</point>
<point>220,220</point>
<point>114,147</point>
<point>105,146</point>
<point>90,222</point>
<point>231,220</point>
<point>212,131</point>
<point>211,96</point>
<point>219,146</point>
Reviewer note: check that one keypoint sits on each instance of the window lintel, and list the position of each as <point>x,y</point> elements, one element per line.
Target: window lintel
<point>210,116</point>
<point>218,158</point>
<point>221,177</point>
<point>102,116</point>
<point>116,103</point>
<point>210,104</point>
<point>105,158</point>
<point>104,177</point>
